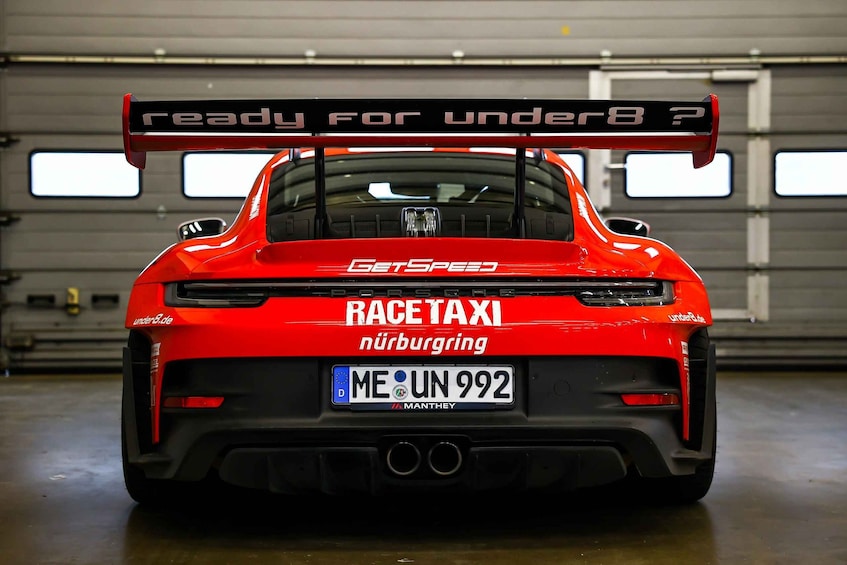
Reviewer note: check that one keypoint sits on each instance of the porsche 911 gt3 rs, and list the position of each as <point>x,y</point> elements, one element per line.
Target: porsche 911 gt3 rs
<point>415,298</point>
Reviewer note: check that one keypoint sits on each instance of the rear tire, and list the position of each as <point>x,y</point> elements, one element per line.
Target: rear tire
<point>683,489</point>
<point>149,492</point>
<point>686,489</point>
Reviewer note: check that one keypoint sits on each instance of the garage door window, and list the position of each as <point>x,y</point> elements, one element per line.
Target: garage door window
<point>82,174</point>
<point>221,174</point>
<point>810,173</point>
<point>672,175</point>
<point>576,161</point>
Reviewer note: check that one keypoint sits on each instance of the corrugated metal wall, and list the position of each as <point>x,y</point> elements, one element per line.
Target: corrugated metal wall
<point>809,236</point>
<point>711,233</point>
<point>801,274</point>
<point>503,28</point>
<point>100,245</point>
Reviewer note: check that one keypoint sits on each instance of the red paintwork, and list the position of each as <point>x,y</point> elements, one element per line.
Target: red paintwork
<point>703,158</point>
<point>135,158</point>
<point>534,326</point>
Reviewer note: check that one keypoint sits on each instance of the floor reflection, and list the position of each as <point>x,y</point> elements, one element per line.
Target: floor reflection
<point>779,497</point>
<point>513,529</point>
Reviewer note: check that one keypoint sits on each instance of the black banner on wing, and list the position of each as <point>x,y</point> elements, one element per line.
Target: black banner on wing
<point>397,116</point>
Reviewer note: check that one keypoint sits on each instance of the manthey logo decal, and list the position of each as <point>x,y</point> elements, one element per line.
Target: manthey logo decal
<point>160,319</point>
<point>423,406</point>
<point>392,315</point>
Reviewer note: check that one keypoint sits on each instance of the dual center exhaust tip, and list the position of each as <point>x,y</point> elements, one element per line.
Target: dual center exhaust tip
<point>444,458</point>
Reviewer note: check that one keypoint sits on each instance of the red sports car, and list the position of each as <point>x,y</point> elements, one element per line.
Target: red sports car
<point>414,299</point>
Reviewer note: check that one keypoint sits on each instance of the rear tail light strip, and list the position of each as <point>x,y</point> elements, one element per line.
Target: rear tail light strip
<point>254,293</point>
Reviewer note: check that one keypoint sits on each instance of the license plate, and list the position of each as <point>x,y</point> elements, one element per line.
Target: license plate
<point>423,387</point>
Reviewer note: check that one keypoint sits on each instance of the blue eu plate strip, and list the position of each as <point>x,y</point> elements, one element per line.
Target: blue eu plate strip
<point>341,385</point>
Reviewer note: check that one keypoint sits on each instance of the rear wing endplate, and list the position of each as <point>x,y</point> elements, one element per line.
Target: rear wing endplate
<point>518,123</point>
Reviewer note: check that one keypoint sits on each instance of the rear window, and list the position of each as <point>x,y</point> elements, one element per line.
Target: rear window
<point>417,179</point>
<point>370,191</point>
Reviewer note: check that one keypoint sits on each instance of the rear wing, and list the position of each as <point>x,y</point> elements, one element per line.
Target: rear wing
<point>518,123</point>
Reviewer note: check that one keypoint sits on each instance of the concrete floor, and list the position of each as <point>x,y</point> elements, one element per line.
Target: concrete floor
<point>779,496</point>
